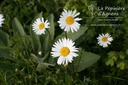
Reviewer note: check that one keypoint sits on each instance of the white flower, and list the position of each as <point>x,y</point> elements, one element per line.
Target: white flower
<point>68,21</point>
<point>39,26</point>
<point>104,40</point>
<point>1,19</point>
<point>65,50</point>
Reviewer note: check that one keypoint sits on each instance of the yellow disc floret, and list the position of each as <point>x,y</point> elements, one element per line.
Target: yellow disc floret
<point>104,39</point>
<point>69,20</point>
<point>64,51</point>
<point>41,26</point>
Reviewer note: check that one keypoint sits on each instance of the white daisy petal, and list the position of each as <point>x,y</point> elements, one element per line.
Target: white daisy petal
<point>70,58</point>
<point>65,50</point>
<point>68,21</point>
<point>1,19</point>
<point>76,14</point>
<point>78,19</point>
<point>104,39</point>
<point>60,60</point>
<point>39,26</point>
<point>110,39</point>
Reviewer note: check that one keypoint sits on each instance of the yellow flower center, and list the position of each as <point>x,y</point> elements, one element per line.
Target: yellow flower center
<point>104,39</point>
<point>64,51</point>
<point>41,26</point>
<point>69,20</point>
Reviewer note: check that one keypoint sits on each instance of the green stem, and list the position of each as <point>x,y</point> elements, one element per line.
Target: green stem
<point>73,75</point>
<point>66,35</point>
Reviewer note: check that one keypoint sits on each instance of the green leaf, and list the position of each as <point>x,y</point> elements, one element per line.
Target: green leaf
<point>51,29</point>
<point>121,56</point>
<point>121,65</point>
<point>5,65</point>
<point>127,52</point>
<point>110,62</point>
<point>46,43</point>
<point>35,58</point>
<point>48,5</point>
<point>5,52</point>
<point>77,34</point>
<point>38,15</point>
<point>62,35</point>
<point>17,27</point>
<point>36,44</point>
<point>4,38</point>
<point>85,60</point>
<point>74,35</point>
<point>111,53</point>
<point>43,66</point>
<point>114,58</point>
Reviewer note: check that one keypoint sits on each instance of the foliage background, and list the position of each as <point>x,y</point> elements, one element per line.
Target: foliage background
<point>21,64</point>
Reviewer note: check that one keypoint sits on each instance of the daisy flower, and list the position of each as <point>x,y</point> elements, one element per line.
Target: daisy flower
<point>39,26</point>
<point>104,39</point>
<point>68,21</point>
<point>65,50</point>
<point>1,19</point>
